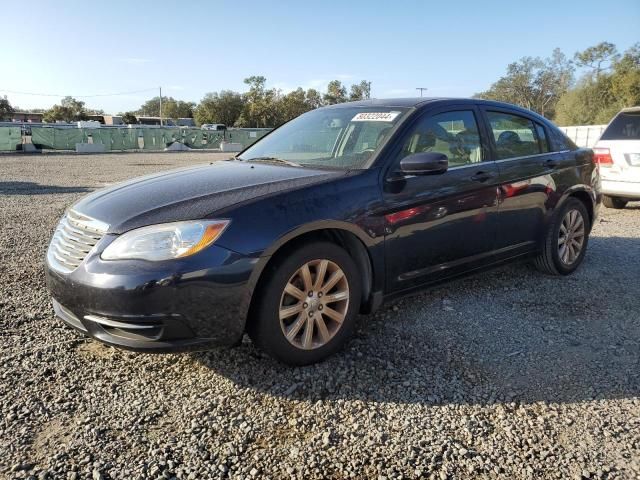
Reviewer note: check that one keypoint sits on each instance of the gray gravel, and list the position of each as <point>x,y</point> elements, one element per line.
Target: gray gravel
<point>506,374</point>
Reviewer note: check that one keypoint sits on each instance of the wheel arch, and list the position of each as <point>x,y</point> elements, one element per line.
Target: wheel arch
<point>586,196</point>
<point>346,235</point>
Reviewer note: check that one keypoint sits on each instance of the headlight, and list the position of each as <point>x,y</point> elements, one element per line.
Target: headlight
<point>165,241</point>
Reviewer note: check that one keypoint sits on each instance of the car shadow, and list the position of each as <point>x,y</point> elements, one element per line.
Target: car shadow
<point>507,335</point>
<point>32,188</point>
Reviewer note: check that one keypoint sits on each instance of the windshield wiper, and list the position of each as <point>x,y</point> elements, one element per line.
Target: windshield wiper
<point>272,160</point>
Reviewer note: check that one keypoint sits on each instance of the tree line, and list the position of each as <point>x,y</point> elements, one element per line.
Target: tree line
<point>608,82</point>
<point>258,107</point>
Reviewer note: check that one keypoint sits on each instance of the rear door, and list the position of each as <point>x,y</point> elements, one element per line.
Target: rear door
<point>529,173</point>
<point>437,225</point>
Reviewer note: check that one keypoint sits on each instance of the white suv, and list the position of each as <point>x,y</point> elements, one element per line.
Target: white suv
<point>618,154</point>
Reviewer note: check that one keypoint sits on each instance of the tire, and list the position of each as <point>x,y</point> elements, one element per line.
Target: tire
<point>267,329</point>
<point>549,259</point>
<point>614,202</point>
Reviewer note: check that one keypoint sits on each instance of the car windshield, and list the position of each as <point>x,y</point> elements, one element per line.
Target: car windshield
<point>626,126</point>
<point>343,137</point>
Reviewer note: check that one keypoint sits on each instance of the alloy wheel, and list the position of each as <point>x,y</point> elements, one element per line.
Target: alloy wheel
<point>571,237</point>
<point>314,304</point>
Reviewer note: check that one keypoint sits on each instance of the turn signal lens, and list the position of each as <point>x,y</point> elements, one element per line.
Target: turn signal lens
<point>602,156</point>
<point>211,232</point>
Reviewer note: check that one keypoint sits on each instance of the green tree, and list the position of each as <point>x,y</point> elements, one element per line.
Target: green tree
<point>175,109</point>
<point>360,91</point>
<point>292,105</point>
<point>597,57</point>
<point>589,103</point>
<point>129,118</point>
<point>151,108</point>
<point>336,93</point>
<point>602,92</point>
<point>5,109</point>
<point>224,107</point>
<point>534,83</point>
<point>625,80</point>
<point>69,110</point>
<point>313,98</point>
<point>260,105</point>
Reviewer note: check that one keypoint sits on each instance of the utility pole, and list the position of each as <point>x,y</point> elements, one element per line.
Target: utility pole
<point>369,91</point>
<point>160,106</point>
<point>422,89</point>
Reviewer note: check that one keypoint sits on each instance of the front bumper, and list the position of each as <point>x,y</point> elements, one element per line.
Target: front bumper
<point>185,304</point>
<point>630,190</point>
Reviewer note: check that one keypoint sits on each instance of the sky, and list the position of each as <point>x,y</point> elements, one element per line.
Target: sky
<point>189,48</point>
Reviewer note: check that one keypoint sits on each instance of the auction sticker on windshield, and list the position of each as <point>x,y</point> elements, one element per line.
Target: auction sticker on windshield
<point>375,117</point>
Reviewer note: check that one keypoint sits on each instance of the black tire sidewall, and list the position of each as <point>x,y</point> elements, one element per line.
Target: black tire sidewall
<point>266,330</point>
<point>570,204</point>
<point>614,202</point>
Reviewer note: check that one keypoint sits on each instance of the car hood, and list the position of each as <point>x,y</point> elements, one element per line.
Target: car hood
<point>192,193</point>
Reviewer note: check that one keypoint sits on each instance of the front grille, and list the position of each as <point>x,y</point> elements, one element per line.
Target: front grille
<point>74,238</point>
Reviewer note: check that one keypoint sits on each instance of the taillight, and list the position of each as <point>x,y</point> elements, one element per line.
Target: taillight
<point>602,156</point>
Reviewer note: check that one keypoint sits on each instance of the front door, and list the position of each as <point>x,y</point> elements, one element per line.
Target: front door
<point>437,225</point>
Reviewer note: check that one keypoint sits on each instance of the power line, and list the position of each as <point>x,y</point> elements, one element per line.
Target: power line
<point>422,89</point>
<point>77,96</point>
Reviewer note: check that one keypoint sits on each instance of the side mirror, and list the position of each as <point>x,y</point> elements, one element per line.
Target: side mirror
<point>426,163</point>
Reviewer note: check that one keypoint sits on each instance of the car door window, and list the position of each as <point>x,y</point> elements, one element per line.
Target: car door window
<point>514,136</point>
<point>454,134</point>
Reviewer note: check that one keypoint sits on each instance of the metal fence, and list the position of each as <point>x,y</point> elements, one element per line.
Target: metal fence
<point>66,137</point>
<point>584,135</point>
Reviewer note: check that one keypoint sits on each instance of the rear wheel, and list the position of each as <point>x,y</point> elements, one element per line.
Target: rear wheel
<point>566,239</point>
<point>614,202</point>
<point>307,304</point>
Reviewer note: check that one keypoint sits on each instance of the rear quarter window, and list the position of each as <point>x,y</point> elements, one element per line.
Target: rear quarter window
<point>561,141</point>
<point>624,126</point>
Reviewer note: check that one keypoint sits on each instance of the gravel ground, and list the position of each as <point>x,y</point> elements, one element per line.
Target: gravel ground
<point>506,374</point>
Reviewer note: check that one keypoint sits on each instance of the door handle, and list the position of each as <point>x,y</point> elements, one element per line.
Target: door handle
<point>481,176</point>
<point>550,164</point>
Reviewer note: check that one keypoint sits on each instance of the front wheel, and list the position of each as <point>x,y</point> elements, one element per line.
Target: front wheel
<point>307,304</point>
<point>566,239</point>
<point>614,202</point>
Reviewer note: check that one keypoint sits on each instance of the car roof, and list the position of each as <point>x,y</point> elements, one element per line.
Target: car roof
<point>390,102</point>
<point>630,109</point>
<point>423,102</point>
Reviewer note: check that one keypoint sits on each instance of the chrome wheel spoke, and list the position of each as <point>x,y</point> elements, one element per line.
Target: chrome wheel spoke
<point>308,333</point>
<point>333,314</point>
<point>562,240</point>
<point>336,297</point>
<point>320,274</point>
<point>322,329</point>
<point>333,279</point>
<point>563,253</point>
<point>579,222</point>
<point>295,291</point>
<point>286,312</point>
<point>306,277</point>
<point>294,328</point>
